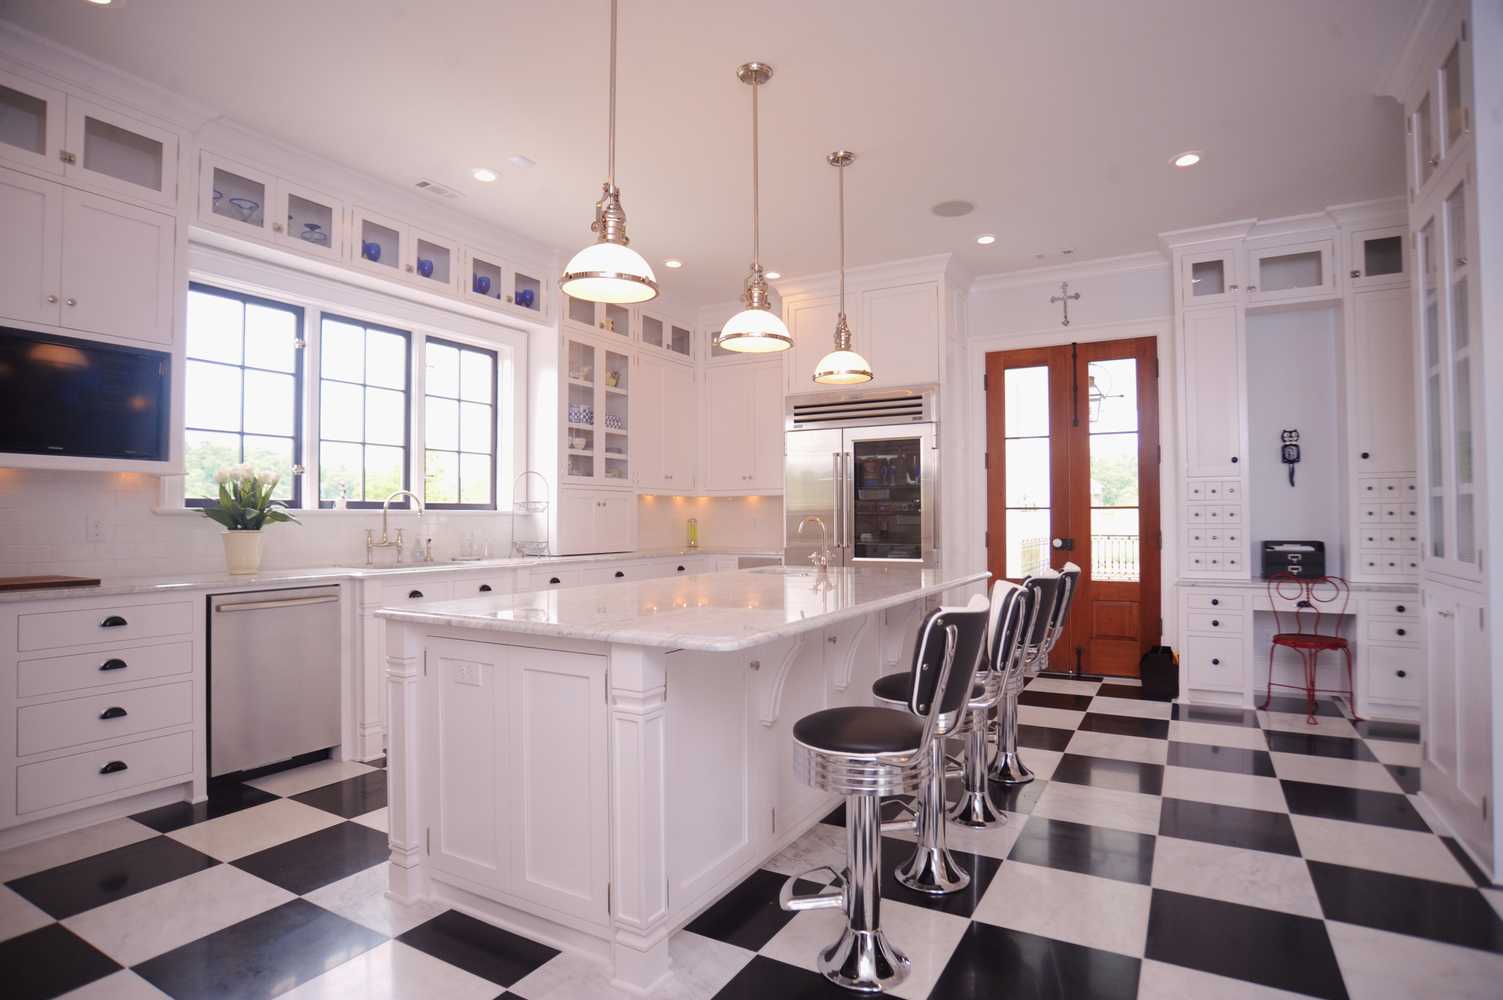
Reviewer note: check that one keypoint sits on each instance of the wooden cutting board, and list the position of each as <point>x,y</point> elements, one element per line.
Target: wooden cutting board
<point>46,582</point>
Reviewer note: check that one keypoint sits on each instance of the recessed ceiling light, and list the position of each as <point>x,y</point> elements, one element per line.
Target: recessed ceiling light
<point>518,160</point>
<point>483,174</point>
<point>1186,159</point>
<point>100,3</point>
<point>986,239</point>
<point>953,209</point>
<point>673,262</point>
<point>772,275</point>
<point>1067,252</point>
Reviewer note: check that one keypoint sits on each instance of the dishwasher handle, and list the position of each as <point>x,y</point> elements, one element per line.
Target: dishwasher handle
<point>289,602</point>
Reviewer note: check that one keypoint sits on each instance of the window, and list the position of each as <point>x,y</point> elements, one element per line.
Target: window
<point>363,412</point>
<point>244,381</point>
<point>459,426</point>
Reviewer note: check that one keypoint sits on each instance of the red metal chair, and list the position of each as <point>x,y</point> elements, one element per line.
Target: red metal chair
<point>1311,601</point>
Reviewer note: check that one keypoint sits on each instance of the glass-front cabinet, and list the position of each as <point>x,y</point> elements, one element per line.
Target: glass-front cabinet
<point>491,278</point>
<point>1442,118</point>
<point>605,318</point>
<point>120,154</point>
<point>597,406</point>
<point>1376,258</point>
<point>1284,273</point>
<point>1451,368</point>
<point>31,124</point>
<point>1210,277</point>
<point>665,335</point>
<point>248,201</point>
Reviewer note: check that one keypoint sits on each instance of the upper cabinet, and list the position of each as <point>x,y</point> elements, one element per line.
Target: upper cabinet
<point>246,201</point>
<point>1441,119</point>
<point>663,334</point>
<point>1380,346</point>
<point>1210,277</point>
<point>1291,272</point>
<point>605,318</point>
<point>597,393</point>
<point>667,425</point>
<point>491,278</point>
<point>1375,258</point>
<point>31,124</point>
<point>1211,368</point>
<point>896,327</point>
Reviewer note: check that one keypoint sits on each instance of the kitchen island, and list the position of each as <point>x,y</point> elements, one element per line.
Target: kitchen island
<point>593,766</point>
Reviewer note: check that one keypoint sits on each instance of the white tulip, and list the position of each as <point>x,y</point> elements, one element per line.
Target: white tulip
<point>269,477</point>
<point>222,476</point>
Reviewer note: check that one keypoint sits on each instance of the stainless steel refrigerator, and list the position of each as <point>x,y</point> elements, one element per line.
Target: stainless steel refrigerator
<point>866,464</point>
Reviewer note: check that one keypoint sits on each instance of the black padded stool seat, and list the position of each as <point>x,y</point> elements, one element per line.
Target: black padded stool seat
<point>860,729</point>
<point>899,687</point>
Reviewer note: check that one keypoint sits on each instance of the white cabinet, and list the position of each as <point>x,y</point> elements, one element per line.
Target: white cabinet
<point>30,248</point>
<point>743,422</point>
<point>1375,258</point>
<point>605,318</point>
<point>596,521</point>
<point>119,154</point>
<point>491,278</point>
<point>32,119</point>
<point>250,202</point>
<point>665,422</point>
<point>397,250</point>
<point>812,324</point>
<point>1209,277</point>
<point>901,327</point>
<point>1291,272</point>
<point>1456,771</point>
<point>597,378</point>
<point>663,334</point>
<point>1211,375</point>
<point>1381,350</point>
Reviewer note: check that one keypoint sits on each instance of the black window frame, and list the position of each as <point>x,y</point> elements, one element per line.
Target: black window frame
<point>405,502</point>
<point>495,403</point>
<point>298,399</point>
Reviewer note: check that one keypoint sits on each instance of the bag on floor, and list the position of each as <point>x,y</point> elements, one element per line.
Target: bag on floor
<point>1160,672</point>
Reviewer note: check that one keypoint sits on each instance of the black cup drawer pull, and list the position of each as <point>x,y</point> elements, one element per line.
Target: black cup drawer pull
<point>1399,631</point>
<point>485,588</point>
<point>1401,673</point>
<point>553,580</point>
<point>413,595</point>
<point>113,712</point>
<point>113,664</point>
<point>619,574</point>
<point>680,569</point>
<point>112,767</point>
<point>113,621</point>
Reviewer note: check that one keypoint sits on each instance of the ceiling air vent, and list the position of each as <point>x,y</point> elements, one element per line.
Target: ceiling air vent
<point>436,189</point>
<point>861,409</point>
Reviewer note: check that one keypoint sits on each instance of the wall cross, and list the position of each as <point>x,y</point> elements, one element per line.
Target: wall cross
<point>1064,297</point>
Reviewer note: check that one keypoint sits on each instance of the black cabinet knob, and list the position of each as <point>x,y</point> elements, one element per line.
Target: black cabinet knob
<point>553,579</point>
<point>619,574</point>
<point>1401,673</point>
<point>113,712</point>
<point>680,569</point>
<point>1215,602</point>
<point>485,588</point>
<point>1399,631</point>
<point>1366,455</point>
<point>1215,662</point>
<point>1234,459</point>
<point>112,767</point>
<point>1399,608</point>
<point>413,595</point>
<point>1215,623</point>
<point>113,621</point>
<point>112,664</point>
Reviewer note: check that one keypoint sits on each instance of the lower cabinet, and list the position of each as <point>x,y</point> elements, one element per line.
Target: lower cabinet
<point>515,776</point>
<point>1457,764</point>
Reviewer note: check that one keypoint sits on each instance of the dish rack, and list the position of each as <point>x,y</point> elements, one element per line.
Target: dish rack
<point>524,511</point>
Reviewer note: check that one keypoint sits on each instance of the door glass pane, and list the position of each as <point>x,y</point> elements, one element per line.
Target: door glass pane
<point>23,121</point>
<point>1026,486</point>
<point>309,221</point>
<point>1114,545</point>
<point>1027,472</point>
<point>1424,139</point>
<point>1025,400</point>
<point>888,510</point>
<point>1384,255</point>
<point>1112,395</point>
<point>1290,270</point>
<point>1207,277</point>
<point>1114,470</point>
<point>239,198</point>
<point>1027,542</point>
<point>122,154</point>
<point>1450,72</point>
<point>1113,410</point>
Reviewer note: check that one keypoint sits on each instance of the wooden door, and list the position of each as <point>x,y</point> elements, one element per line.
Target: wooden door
<point>1072,476</point>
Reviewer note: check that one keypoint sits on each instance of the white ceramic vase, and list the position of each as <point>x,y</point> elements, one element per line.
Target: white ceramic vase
<point>242,552</point>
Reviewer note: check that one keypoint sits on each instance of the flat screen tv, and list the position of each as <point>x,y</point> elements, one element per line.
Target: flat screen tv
<point>60,396</point>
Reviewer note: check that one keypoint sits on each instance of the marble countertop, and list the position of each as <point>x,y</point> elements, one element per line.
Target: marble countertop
<point>715,612</point>
<point>312,575</point>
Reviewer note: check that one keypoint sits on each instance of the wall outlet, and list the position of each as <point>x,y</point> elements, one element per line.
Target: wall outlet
<point>467,673</point>
<point>96,530</point>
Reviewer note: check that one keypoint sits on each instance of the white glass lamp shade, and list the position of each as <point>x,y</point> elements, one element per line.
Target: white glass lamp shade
<point>755,331</point>
<point>842,368</point>
<point>610,272</point>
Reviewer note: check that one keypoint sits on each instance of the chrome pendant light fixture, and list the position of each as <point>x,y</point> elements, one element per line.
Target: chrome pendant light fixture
<point>609,270</point>
<point>755,329</point>
<point>842,366</point>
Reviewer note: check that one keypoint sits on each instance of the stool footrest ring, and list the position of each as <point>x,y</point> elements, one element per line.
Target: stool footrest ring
<point>831,897</point>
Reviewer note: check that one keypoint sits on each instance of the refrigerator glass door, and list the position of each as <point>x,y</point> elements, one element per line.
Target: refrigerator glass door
<point>889,490</point>
<point>810,468</point>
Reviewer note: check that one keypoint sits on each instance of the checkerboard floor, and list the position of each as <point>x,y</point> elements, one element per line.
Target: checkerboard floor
<point>1162,852</point>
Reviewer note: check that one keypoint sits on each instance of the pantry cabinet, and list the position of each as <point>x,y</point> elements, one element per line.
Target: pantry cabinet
<point>1376,258</point>
<point>1381,349</point>
<point>1209,277</point>
<point>1211,382</point>
<point>743,428</point>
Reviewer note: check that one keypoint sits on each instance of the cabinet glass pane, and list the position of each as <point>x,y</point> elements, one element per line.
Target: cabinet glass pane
<point>1383,255</point>
<point>1424,139</point>
<point>652,331</point>
<point>680,341</point>
<point>380,244</point>
<point>1433,406</point>
<point>617,377</point>
<point>887,516</point>
<point>1450,73</point>
<point>716,351</point>
<point>485,278</point>
<point>122,154</point>
<point>618,319</point>
<point>1291,270</point>
<point>239,198</point>
<point>309,220</point>
<point>580,410</point>
<point>529,291</point>
<point>581,310</point>
<point>1207,277</point>
<point>433,261</point>
<point>23,121</point>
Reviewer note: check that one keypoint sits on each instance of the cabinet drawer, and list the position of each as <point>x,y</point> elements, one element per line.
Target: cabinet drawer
<point>1392,631</point>
<point>1232,514</point>
<point>112,666</point>
<point>1394,673</point>
<point>53,629</point>
<point>1398,606</point>
<point>1215,601</point>
<point>1214,663</point>
<point>1214,623</point>
<point>499,583</point>
<point>1195,489</point>
<point>553,577</point>
<point>96,774</point>
<point>1370,513</point>
<point>1231,489</point>
<point>77,721</point>
<point>416,589</point>
<point>1384,536</point>
<point>1232,561</point>
<point>1198,513</point>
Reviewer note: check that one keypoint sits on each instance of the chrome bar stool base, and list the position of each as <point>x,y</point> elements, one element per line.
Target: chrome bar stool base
<point>975,808</point>
<point>1008,769</point>
<point>864,961</point>
<point>932,869</point>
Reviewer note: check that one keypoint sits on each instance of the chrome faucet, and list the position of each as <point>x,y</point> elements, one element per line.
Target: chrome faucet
<point>820,559</point>
<point>423,546</point>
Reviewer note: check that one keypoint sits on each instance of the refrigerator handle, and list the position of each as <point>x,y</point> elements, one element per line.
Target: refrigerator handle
<point>848,503</point>
<point>835,513</point>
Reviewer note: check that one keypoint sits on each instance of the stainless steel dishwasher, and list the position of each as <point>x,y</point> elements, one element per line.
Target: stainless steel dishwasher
<point>273,676</point>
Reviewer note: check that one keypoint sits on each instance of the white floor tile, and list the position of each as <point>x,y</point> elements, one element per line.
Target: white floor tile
<point>1215,735</point>
<point>1392,752</point>
<point>1334,771</point>
<point>362,897</point>
<point>310,776</point>
<point>122,985</point>
<point>1131,706</point>
<point>1068,906</point>
<point>1381,848</point>
<point>1236,875</point>
<point>254,829</point>
<point>394,971</point>
<point>17,916</point>
<point>1061,685</point>
<point>1099,807</point>
<point>1055,718</point>
<point>65,847</point>
<point>1134,748</point>
<point>1041,762</point>
<point>1293,722</point>
<point>701,967</point>
<point>1163,981</point>
<point>822,844</point>
<point>376,819</point>
<point>1246,791</point>
<point>1378,965</point>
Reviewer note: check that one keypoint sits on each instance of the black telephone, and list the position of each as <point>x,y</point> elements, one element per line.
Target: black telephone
<point>1289,453</point>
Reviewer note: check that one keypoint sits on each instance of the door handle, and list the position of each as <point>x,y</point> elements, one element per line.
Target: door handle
<point>1064,544</point>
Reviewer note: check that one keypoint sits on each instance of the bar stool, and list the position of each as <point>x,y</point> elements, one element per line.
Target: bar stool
<point>865,753</point>
<point>1006,628</point>
<point>1054,592</point>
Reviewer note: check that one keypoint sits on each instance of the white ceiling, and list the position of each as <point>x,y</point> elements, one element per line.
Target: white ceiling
<point>1057,119</point>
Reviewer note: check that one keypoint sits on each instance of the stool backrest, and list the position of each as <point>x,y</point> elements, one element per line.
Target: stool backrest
<point>950,644</point>
<point>1069,582</point>
<point>1044,588</point>
<point>1007,626</point>
<point>1308,603</point>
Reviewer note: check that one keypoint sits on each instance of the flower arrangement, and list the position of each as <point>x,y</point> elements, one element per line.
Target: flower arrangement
<point>245,502</point>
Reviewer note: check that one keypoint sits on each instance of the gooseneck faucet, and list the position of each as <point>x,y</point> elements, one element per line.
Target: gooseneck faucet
<point>820,559</point>
<point>386,542</point>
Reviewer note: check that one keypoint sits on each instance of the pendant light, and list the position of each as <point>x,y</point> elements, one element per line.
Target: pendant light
<point>755,329</point>
<point>609,270</point>
<point>842,366</point>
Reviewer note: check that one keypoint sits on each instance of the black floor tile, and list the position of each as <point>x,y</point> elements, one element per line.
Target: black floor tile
<point>48,962</point>
<point>1091,850</point>
<point>1214,714</point>
<point>1055,699</point>
<point>1125,725</point>
<point>1233,760</point>
<point>1398,732</point>
<point>1132,692</point>
<point>895,854</point>
<point>1044,737</point>
<point>103,878</point>
<point>478,948</point>
<point>1102,772</point>
<point>1296,705</point>
<point>225,797</point>
<point>1017,798</point>
<point>1340,747</point>
<point>763,977</point>
<point>321,857</point>
<point>1357,805</point>
<point>349,798</point>
<point>1408,778</point>
<point>1275,949</point>
<point>993,962</point>
<point>748,915</point>
<point>1435,910</point>
<point>1228,825</point>
<point>261,956</point>
<point>1465,861</point>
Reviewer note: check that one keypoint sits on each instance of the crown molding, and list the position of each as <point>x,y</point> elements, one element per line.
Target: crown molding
<point>1149,260</point>
<point>826,283</point>
<point>1221,232</point>
<point>1378,212</point>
